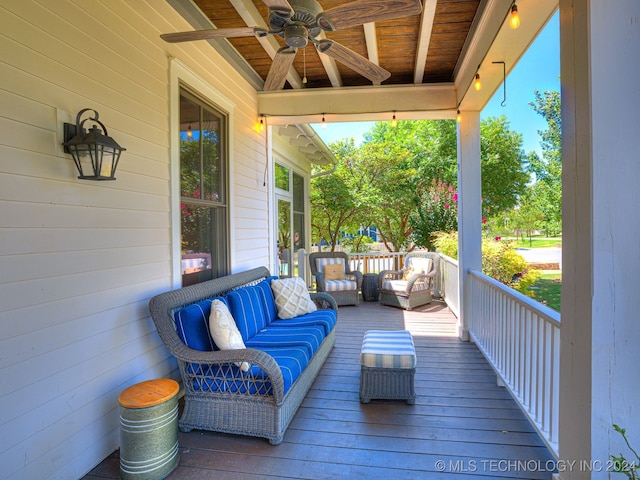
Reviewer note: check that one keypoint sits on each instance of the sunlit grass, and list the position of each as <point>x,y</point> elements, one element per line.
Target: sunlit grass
<point>538,242</point>
<point>547,289</point>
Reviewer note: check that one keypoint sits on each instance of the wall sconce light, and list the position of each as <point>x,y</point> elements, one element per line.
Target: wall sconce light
<point>514,19</point>
<point>394,120</point>
<point>97,151</point>
<point>477,85</point>
<point>259,127</point>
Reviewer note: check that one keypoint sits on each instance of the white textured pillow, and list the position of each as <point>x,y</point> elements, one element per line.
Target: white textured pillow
<point>224,331</point>
<point>292,297</point>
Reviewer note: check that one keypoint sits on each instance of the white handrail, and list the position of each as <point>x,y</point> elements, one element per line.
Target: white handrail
<point>376,262</point>
<point>520,338</point>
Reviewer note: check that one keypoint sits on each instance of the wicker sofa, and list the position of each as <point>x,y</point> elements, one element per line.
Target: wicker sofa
<point>284,355</point>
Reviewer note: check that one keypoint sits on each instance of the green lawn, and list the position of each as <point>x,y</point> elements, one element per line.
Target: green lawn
<point>539,242</point>
<point>547,290</point>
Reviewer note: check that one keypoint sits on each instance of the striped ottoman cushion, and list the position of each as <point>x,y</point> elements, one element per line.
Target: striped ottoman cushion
<point>388,349</point>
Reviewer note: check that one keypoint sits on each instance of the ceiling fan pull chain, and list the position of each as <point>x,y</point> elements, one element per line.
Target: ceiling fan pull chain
<point>304,65</point>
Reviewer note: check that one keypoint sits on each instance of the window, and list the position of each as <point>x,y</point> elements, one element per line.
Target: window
<point>203,191</point>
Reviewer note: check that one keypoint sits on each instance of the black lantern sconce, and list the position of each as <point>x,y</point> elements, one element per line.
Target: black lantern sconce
<point>95,153</point>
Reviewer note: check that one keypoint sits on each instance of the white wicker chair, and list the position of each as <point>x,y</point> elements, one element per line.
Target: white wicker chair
<point>409,291</point>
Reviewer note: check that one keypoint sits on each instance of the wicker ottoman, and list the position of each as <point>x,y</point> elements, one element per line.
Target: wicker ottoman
<point>149,430</point>
<point>387,366</point>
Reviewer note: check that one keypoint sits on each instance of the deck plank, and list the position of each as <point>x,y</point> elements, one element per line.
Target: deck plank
<point>461,417</point>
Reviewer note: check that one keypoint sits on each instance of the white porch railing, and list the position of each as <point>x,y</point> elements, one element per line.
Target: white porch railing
<point>521,340</point>
<point>375,262</point>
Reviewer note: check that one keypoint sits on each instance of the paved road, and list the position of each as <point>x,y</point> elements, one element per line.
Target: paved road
<point>541,255</point>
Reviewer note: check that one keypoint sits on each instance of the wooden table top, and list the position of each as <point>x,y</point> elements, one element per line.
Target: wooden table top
<point>149,393</point>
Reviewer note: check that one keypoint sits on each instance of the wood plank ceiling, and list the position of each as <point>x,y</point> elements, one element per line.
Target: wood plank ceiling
<point>419,49</point>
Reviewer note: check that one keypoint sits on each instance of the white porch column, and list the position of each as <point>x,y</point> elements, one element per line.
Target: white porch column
<point>469,212</point>
<point>600,41</point>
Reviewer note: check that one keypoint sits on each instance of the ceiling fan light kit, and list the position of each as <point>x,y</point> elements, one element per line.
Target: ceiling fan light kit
<point>299,22</point>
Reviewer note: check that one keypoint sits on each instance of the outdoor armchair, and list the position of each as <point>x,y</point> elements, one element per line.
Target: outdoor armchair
<point>335,277</point>
<point>410,287</point>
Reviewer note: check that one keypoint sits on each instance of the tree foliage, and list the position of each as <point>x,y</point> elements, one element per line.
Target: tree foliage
<point>386,181</point>
<point>548,170</point>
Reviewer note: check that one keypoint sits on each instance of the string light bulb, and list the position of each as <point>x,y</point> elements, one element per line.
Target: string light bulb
<point>458,116</point>
<point>394,120</point>
<point>324,123</point>
<point>514,20</point>
<point>477,85</point>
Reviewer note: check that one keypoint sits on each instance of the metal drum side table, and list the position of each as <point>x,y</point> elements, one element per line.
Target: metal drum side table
<point>149,430</point>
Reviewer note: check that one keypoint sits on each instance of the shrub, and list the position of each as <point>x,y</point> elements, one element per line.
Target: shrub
<point>499,261</point>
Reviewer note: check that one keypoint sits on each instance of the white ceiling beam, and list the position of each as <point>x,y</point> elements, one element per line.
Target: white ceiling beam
<point>371,39</point>
<point>424,38</point>
<point>359,103</point>
<point>251,16</point>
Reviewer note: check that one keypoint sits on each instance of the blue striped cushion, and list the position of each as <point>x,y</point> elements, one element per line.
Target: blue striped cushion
<point>226,378</point>
<point>192,325</point>
<point>388,349</point>
<point>308,337</point>
<point>248,310</point>
<point>325,318</point>
<point>271,311</point>
<point>340,285</point>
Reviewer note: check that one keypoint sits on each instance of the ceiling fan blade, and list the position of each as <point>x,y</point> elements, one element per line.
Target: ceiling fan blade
<point>279,69</point>
<point>208,34</point>
<point>353,60</point>
<point>281,7</point>
<point>366,11</point>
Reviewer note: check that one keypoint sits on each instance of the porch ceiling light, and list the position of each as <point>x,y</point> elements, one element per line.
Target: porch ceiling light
<point>95,153</point>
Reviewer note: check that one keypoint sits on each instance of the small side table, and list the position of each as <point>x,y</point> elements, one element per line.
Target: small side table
<point>370,287</point>
<point>149,430</point>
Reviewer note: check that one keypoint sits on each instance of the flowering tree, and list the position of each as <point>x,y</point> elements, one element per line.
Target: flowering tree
<point>437,212</point>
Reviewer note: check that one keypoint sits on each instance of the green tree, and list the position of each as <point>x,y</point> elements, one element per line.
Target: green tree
<point>548,170</point>
<point>433,147</point>
<point>385,181</point>
<point>529,215</point>
<point>334,205</point>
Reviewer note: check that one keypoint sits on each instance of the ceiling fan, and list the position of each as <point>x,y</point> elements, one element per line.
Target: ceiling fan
<point>299,22</point>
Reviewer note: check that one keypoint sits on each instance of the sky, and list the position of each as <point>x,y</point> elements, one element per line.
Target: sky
<point>538,69</point>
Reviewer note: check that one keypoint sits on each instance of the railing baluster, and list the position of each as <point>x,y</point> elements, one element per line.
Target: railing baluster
<point>521,340</point>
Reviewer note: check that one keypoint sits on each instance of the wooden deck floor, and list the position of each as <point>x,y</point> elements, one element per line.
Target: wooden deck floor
<point>462,424</point>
